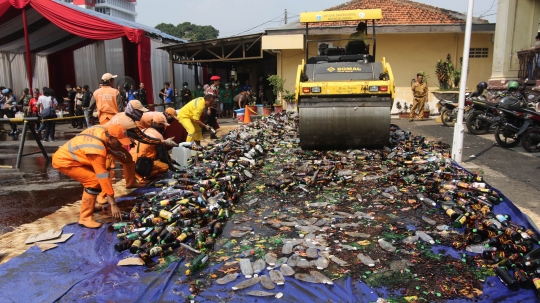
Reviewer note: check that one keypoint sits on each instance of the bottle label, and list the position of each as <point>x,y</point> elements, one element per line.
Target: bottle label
<point>154,251</point>
<point>165,214</point>
<point>460,221</point>
<point>536,282</point>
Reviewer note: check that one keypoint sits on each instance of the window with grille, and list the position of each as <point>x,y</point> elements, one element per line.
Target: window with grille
<point>478,52</point>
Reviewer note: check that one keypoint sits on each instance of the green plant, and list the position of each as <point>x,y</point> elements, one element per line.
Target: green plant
<point>403,108</point>
<point>277,84</point>
<point>447,74</point>
<point>288,97</point>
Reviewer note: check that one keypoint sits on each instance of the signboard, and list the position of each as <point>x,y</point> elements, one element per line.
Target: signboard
<point>349,15</point>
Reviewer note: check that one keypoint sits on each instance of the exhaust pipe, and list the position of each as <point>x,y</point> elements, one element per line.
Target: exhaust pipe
<point>485,119</point>
<point>511,127</point>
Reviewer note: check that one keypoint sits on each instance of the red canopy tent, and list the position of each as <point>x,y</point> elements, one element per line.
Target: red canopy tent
<point>82,29</point>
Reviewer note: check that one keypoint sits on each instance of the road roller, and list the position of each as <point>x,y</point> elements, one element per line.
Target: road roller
<point>344,96</point>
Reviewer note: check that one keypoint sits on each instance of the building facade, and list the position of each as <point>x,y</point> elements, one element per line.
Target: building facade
<point>124,9</point>
<point>411,42</point>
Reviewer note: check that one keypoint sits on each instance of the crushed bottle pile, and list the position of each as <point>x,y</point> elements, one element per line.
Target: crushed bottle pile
<point>387,217</point>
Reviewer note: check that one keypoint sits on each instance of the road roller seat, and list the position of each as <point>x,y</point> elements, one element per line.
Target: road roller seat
<point>356,47</point>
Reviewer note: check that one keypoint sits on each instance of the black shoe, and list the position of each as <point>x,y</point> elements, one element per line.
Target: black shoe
<point>214,137</point>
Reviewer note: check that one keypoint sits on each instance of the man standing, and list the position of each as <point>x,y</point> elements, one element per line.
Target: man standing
<point>106,99</point>
<point>87,96</point>
<point>247,87</point>
<point>420,93</point>
<point>190,117</point>
<point>132,93</point>
<point>167,94</point>
<point>226,95</point>
<point>83,158</point>
<point>78,106</point>
<point>71,104</point>
<point>186,94</point>
<point>141,94</point>
<point>199,92</point>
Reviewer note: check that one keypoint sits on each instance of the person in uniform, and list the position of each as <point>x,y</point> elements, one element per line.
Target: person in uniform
<point>83,158</point>
<point>199,92</point>
<point>190,117</point>
<point>360,33</point>
<point>420,93</point>
<point>186,94</point>
<point>106,99</point>
<point>156,129</point>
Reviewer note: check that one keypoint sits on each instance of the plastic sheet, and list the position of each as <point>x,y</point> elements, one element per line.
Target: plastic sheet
<point>84,270</point>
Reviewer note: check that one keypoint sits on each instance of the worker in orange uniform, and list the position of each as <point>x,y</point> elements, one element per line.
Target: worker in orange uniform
<point>147,117</point>
<point>106,99</point>
<point>190,114</point>
<point>128,119</point>
<point>83,159</point>
<point>157,127</point>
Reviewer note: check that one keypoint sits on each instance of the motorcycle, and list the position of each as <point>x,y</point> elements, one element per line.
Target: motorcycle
<point>511,123</point>
<point>449,111</point>
<point>530,139</point>
<point>480,118</point>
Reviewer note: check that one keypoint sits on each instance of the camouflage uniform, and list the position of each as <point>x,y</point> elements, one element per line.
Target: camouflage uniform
<point>420,92</point>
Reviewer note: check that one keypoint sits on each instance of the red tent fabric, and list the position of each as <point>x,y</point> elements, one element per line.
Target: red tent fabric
<point>92,28</point>
<point>145,69</point>
<point>79,23</point>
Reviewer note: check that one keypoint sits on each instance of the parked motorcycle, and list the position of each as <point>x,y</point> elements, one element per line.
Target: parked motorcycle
<point>530,139</point>
<point>449,111</point>
<point>511,123</point>
<point>480,118</point>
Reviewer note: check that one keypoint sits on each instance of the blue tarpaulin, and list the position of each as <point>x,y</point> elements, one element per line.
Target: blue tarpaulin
<point>84,270</point>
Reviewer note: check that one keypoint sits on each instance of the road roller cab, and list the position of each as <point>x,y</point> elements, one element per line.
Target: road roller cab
<point>344,96</point>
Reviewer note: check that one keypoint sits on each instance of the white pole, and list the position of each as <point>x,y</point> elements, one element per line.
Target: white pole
<point>457,146</point>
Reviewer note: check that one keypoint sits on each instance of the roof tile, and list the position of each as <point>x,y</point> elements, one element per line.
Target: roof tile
<point>401,12</point>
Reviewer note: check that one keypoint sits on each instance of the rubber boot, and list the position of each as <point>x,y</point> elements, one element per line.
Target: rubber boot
<point>87,210</point>
<point>129,175</point>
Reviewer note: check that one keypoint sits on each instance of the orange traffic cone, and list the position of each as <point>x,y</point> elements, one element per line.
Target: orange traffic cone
<point>247,118</point>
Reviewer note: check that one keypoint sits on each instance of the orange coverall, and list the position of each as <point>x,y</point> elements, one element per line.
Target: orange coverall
<point>83,159</point>
<point>147,150</point>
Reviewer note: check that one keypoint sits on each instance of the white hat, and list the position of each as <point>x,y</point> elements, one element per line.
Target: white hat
<point>108,76</point>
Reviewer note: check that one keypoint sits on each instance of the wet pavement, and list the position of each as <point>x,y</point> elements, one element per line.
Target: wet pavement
<point>36,189</point>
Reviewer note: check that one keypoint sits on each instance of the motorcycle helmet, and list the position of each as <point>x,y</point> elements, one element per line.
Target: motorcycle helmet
<point>480,87</point>
<point>513,85</point>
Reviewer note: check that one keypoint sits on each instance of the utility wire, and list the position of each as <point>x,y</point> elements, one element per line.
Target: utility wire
<point>271,20</point>
<point>484,13</point>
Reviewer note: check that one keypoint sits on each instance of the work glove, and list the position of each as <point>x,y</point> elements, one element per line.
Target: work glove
<point>170,142</point>
<point>207,127</point>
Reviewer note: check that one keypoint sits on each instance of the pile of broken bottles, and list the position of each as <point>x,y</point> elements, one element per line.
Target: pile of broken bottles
<point>387,217</point>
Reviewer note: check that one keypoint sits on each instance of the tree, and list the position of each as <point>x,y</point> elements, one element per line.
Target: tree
<point>189,31</point>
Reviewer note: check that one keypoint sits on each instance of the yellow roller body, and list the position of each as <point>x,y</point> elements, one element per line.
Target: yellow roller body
<point>344,104</point>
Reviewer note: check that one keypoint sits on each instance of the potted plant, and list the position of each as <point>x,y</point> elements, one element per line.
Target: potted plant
<point>276,82</point>
<point>427,111</point>
<point>403,110</point>
<point>252,104</point>
<point>287,97</point>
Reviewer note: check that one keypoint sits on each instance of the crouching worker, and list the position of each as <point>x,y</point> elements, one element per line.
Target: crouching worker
<point>190,116</point>
<point>84,157</point>
<point>157,126</point>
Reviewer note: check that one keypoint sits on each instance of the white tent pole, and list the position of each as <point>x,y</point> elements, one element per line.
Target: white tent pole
<point>457,146</point>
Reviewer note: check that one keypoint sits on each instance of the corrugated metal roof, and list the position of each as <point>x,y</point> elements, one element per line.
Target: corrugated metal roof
<point>123,22</point>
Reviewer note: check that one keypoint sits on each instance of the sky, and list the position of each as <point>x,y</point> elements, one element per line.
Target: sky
<point>241,17</point>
